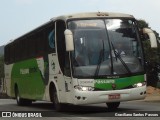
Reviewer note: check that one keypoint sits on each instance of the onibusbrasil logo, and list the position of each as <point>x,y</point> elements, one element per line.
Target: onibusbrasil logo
<point>21,114</point>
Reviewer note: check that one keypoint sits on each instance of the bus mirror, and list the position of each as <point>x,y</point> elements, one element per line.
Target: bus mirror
<point>69,40</point>
<point>152,37</point>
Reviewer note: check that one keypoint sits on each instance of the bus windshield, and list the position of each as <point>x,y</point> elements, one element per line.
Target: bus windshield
<point>105,47</point>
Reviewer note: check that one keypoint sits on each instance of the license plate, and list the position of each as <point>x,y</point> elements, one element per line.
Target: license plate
<point>114,96</point>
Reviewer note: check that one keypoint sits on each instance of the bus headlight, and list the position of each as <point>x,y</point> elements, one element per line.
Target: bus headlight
<point>139,84</point>
<point>84,88</point>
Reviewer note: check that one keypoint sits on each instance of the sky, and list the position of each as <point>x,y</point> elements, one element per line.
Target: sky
<point>18,17</point>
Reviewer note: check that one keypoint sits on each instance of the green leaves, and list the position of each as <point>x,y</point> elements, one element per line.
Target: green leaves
<point>151,54</point>
<point>142,24</point>
<point>1,66</point>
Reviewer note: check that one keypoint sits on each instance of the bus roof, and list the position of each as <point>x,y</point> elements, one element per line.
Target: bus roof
<point>80,16</point>
<point>94,15</point>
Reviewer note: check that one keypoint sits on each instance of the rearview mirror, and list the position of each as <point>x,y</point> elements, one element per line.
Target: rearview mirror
<point>152,37</point>
<point>69,40</point>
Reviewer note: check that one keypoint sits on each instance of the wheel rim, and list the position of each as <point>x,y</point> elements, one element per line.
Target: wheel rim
<point>57,105</point>
<point>17,96</point>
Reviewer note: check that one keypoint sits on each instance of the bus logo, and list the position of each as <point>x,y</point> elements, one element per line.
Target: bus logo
<point>6,114</point>
<point>53,65</point>
<point>104,81</point>
<point>113,86</point>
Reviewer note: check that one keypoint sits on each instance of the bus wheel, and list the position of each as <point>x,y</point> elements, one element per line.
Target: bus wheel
<point>58,106</point>
<point>21,101</point>
<point>113,105</point>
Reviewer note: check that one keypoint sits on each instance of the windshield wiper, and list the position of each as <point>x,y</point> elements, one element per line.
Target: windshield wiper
<point>101,57</point>
<point>99,63</point>
<point>117,55</point>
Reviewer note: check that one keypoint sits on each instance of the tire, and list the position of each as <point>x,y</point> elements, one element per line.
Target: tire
<point>113,105</point>
<point>54,98</point>
<point>21,101</point>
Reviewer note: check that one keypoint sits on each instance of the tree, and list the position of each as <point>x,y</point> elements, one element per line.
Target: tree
<point>151,56</point>
<point>142,24</point>
<point>1,66</point>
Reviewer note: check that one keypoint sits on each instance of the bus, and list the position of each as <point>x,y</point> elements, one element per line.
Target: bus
<point>76,59</point>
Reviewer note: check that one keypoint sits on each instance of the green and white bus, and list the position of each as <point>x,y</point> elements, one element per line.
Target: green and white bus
<point>75,59</point>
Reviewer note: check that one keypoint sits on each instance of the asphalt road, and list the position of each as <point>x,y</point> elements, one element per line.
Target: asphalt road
<point>86,112</point>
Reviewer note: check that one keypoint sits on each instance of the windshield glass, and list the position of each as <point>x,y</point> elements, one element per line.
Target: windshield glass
<point>105,47</point>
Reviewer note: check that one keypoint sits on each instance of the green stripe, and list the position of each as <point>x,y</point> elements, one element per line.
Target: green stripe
<point>121,83</point>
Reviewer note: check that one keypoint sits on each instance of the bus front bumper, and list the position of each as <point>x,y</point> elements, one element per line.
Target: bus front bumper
<point>91,97</point>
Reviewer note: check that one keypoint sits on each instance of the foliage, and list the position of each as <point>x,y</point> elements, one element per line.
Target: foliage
<point>1,66</point>
<point>142,24</point>
<point>150,53</point>
<point>151,56</point>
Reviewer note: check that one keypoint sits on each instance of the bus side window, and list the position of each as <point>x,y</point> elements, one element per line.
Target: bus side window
<point>12,52</point>
<point>49,39</point>
<point>39,44</point>
<point>31,45</point>
<point>17,50</point>
<point>7,54</point>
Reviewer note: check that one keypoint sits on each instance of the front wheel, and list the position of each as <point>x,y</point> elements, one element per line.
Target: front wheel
<point>113,105</point>
<point>58,106</point>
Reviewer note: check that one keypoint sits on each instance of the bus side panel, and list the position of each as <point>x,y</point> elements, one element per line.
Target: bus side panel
<point>29,79</point>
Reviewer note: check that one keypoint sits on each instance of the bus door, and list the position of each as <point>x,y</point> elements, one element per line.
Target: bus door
<point>68,79</point>
<point>64,79</point>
